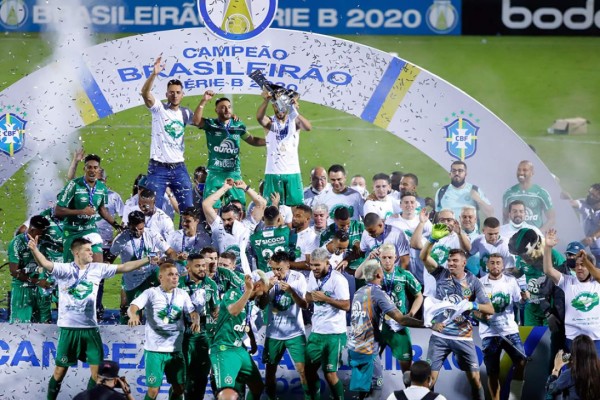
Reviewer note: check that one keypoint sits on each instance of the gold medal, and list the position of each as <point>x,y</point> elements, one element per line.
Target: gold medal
<point>282,148</point>
<point>275,310</point>
<point>247,329</point>
<point>166,320</point>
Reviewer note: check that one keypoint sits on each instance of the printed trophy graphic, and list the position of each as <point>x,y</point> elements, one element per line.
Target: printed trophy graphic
<point>237,17</point>
<point>280,96</point>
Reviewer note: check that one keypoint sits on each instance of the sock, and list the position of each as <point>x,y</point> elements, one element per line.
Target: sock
<point>515,390</point>
<point>173,396</point>
<point>306,391</point>
<point>478,393</point>
<point>91,383</point>
<point>53,388</point>
<point>316,390</point>
<point>338,390</point>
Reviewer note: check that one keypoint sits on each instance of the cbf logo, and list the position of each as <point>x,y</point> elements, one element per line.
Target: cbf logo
<point>237,19</point>
<point>442,16</point>
<point>13,13</point>
<point>461,138</point>
<point>12,133</point>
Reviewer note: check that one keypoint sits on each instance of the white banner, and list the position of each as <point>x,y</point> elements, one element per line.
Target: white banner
<point>27,360</point>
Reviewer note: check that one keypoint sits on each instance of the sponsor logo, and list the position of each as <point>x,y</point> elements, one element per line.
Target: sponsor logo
<point>12,133</point>
<point>237,19</point>
<point>13,13</point>
<point>227,147</point>
<point>585,301</point>
<point>442,16</point>
<point>461,137</point>
<point>550,18</point>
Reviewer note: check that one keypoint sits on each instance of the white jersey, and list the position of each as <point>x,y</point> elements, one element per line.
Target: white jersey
<point>131,204</point>
<point>282,146</point>
<point>456,198</point>
<point>484,249</point>
<point>327,319</point>
<point>408,226</point>
<point>285,317</point>
<point>306,241</point>
<point>168,128</point>
<point>582,311</point>
<point>130,248</point>
<point>508,230</point>
<point>349,198</point>
<point>181,243</point>
<point>77,291</point>
<point>114,206</point>
<point>164,318</point>
<point>391,235</point>
<point>503,293</point>
<point>236,241</point>
<point>384,208</point>
<point>311,196</point>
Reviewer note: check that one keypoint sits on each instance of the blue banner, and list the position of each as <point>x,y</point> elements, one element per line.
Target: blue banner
<point>385,17</point>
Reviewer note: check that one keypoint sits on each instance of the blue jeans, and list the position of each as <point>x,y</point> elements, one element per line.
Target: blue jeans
<point>569,345</point>
<point>492,348</point>
<point>175,176</point>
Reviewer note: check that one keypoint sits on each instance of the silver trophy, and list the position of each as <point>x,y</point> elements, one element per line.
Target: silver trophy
<point>281,97</point>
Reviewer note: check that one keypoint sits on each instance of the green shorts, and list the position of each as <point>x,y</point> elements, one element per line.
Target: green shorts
<point>195,351</point>
<point>68,240</point>
<point>289,187</point>
<point>159,364</point>
<point>215,180</point>
<point>534,316</point>
<point>24,303</point>
<point>82,344</point>
<point>399,342</point>
<point>274,349</point>
<point>232,364</point>
<point>325,349</point>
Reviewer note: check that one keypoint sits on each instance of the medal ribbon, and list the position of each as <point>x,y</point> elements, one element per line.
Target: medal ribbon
<point>169,303</point>
<point>389,285</point>
<point>324,280</point>
<point>76,275</point>
<point>137,253</point>
<point>91,192</point>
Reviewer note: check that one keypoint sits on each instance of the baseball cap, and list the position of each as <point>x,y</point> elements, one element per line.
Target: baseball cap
<point>574,247</point>
<point>108,369</point>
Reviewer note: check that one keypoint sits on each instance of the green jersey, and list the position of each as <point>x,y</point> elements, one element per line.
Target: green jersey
<point>77,195</point>
<point>227,279</point>
<point>19,253</point>
<point>229,330</point>
<point>223,143</point>
<point>204,304</point>
<point>355,231</point>
<point>397,283</point>
<point>267,242</point>
<point>533,273</point>
<point>536,199</point>
<point>52,241</point>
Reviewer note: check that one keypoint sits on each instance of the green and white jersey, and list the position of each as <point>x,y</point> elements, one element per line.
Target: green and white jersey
<point>326,318</point>
<point>227,279</point>
<point>223,142</point>
<point>230,330</point>
<point>236,241</point>
<point>355,231</point>
<point>396,284</point>
<point>284,316</point>
<point>503,293</point>
<point>534,274</point>
<point>349,198</point>
<point>77,291</point>
<point>267,242</point>
<point>205,298</point>
<point>77,195</point>
<point>19,253</point>
<point>537,200</point>
<point>582,307</point>
<point>51,244</point>
<point>164,318</point>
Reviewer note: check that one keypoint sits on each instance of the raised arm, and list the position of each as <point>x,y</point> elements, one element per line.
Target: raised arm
<point>255,141</point>
<point>77,158</point>
<point>236,308</point>
<point>416,240</point>
<point>463,238</point>
<point>208,203</point>
<point>428,261</point>
<point>551,240</point>
<point>301,122</point>
<point>262,119</point>
<point>147,88</point>
<point>198,118</point>
<point>132,265</point>
<point>550,220</point>
<point>40,259</point>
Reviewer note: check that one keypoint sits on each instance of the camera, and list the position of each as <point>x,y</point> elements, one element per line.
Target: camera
<point>566,357</point>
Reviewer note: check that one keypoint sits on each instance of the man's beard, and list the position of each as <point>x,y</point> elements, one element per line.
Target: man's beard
<point>457,183</point>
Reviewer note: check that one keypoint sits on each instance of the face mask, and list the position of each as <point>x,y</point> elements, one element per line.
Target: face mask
<point>359,189</point>
<point>571,262</point>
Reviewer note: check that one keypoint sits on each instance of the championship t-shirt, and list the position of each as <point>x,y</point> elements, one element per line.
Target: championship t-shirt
<point>223,143</point>
<point>236,241</point>
<point>326,318</point>
<point>484,249</point>
<point>282,145</point>
<point>582,300</point>
<point>391,235</point>
<point>284,316</point>
<point>349,198</point>
<point>503,293</point>
<point>168,128</point>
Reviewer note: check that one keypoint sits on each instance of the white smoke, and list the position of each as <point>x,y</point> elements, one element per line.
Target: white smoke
<point>68,35</point>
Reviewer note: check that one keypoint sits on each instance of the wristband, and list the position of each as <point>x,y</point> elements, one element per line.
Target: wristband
<point>475,306</point>
<point>247,188</point>
<point>432,240</point>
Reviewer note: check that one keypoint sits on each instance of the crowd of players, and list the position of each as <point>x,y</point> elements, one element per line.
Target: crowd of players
<point>360,268</point>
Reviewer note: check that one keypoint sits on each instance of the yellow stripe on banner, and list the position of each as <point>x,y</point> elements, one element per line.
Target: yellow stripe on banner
<point>396,94</point>
<point>86,108</point>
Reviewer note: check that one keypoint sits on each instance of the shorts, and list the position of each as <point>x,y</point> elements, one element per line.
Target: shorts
<point>274,349</point>
<point>158,364</point>
<point>83,344</point>
<point>367,372</point>
<point>464,351</point>
<point>91,234</point>
<point>289,187</point>
<point>195,351</point>
<point>400,343</point>
<point>534,316</point>
<point>325,349</point>
<point>492,349</point>
<point>24,303</point>
<point>232,364</point>
<point>215,180</point>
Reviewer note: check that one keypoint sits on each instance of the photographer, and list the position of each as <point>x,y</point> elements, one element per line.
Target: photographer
<point>108,381</point>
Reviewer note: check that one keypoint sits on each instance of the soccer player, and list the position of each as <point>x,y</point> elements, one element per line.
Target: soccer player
<point>166,167</point>
<point>228,356</point>
<point>223,136</point>
<point>285,326</point>
<point>377,233</point>
<point>79,203</point>
<point>451,332</point>
<point>155,218</point>
<point>500,332</point>
<point>188,240</point>
<point>320,215</point>
<point>398,284</point>
<point>491,242</point>
<point>329,292</point>
<point>341,195</point>
<point>306,239</point>
<point>282,173</point>
<point>274,237</point>
<point>342,222</point>
<point>380,201</point>
<point>79,337</point>
<point>165,306</point>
